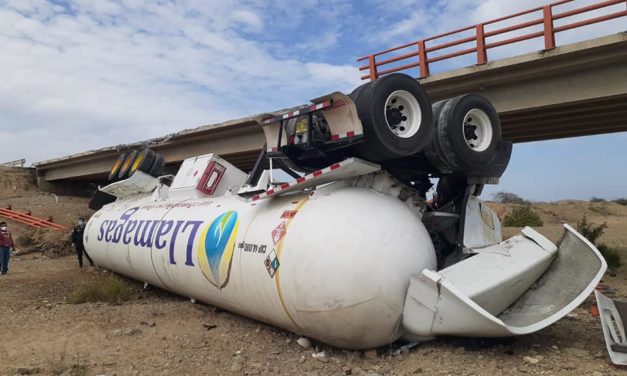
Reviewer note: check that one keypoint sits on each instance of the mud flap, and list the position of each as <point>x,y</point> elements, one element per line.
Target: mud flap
<point>613,314</point>
<point>516,287</point>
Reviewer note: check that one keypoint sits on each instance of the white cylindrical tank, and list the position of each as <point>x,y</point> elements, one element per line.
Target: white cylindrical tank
<point>333,264</point>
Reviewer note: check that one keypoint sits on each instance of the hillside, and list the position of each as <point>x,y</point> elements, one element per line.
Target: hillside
<point>19,191</point>
<point>555,214</point>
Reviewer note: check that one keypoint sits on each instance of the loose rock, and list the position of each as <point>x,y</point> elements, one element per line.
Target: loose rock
<point>304,343</point>
<point>321,356</point>
<point>27,370</point>
<point>126,332</point>
<point>568,366</point>
<point>236,367</point>
<point>371,354</point>
<point>531,360</point>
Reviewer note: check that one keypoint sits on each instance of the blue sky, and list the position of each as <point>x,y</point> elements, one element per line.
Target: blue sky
<point>79,75</point>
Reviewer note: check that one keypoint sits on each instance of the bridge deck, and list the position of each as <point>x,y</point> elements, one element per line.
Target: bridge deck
<point>573,90</point>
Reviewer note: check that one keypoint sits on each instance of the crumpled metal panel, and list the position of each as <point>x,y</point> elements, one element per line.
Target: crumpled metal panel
<point>463,300</point>
<point>613,314</point>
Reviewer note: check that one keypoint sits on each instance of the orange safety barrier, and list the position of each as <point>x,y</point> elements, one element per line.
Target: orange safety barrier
<point>28,219</point>
<point>418,54</point>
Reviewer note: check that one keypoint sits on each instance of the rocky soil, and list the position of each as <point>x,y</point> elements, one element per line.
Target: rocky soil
<point>157,333</point>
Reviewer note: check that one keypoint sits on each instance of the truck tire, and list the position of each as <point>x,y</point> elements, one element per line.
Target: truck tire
<point>157,166</point>
<point>497,166</point>
<point>396,115</point>
<point>355,93</point>
<point>469,131</point>
<point>126,166</point>
<point>434,151</point>
<point>143,162</point>
<point>115,169</point>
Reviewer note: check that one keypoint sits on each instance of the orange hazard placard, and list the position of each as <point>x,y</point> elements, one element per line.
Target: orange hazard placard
<point>278,233</point>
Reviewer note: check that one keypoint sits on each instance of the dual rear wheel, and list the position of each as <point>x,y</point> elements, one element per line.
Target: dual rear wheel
<point>456,135</point>
<point>396,116</point>
<point>128,163</point>
<point>467,133</point>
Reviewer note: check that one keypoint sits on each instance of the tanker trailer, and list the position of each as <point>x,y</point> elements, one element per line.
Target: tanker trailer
<point>342,254</point>
<point>350,251</point>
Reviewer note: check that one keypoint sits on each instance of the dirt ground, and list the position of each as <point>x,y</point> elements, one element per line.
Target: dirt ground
<point>158,333</point>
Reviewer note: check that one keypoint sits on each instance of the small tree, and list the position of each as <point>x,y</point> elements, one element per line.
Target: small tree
<point>523,216</point>
<point>589,230</point>
<point>593,232</point>
<point>597,199</point>
<point>510,198</point>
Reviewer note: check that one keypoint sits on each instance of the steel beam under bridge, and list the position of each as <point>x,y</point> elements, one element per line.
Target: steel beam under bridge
<point>574,90</point>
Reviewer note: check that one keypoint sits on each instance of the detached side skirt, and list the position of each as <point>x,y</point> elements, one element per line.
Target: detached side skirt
<point>516,287</point>
<point>613,314</point>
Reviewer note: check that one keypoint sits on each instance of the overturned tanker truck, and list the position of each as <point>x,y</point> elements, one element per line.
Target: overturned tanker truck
<point>352,250</point>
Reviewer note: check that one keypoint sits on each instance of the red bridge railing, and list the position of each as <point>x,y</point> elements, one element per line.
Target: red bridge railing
<point>419,54</point>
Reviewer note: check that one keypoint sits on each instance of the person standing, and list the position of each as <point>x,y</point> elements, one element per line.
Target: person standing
<point>77,239</point>
<point>6,245</point>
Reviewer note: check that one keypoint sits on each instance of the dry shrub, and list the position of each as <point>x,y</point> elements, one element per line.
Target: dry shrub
<point>593,232</point>
<point>52,243</point>
<point>109,289</point>
<point>620,201</point>
<point>523,216</point>
<point>62,364</point>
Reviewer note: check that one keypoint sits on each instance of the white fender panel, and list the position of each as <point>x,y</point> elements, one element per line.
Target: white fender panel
<point>482,226</point>
<point>612,315</point>
<point>452,303</point>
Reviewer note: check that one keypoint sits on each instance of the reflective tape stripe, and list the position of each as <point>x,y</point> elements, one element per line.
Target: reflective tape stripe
<point>301,111</point>
<point>349,134</point>
<point>302,179</point>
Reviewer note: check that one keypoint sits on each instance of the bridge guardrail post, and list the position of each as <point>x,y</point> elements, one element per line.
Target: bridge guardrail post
<point>372,66</point>
<point>422,59</point>
<point>549,33</point>
<point>482,54</point>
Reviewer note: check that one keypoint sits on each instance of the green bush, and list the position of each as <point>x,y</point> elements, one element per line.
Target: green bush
<point>109,289</point>
<point>589,230</point>
<point>597,199</point>
<point>610,255</point>
<point>593,232</point>
<point>523,216</point>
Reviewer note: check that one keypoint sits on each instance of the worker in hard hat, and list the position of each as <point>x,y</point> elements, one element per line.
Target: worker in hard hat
<point>6,245</point>
<point>77,239</point>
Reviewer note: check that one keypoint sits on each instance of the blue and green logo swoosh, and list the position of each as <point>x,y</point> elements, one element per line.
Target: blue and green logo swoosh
<point>216,247</point>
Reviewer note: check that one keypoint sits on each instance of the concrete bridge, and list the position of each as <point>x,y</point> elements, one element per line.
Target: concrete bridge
<point>574,90</point>
<point>568,91</point>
